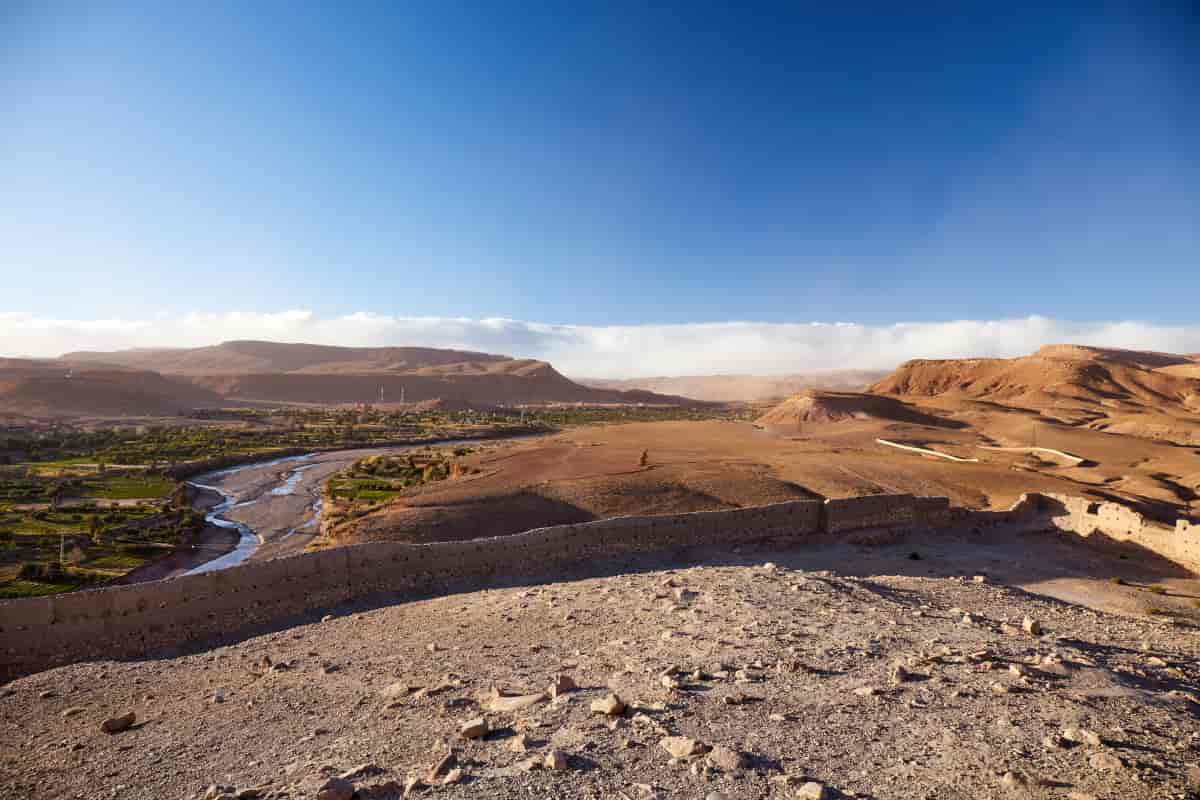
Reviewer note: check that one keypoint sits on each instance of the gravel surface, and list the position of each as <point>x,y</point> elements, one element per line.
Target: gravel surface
<point>754,675</point>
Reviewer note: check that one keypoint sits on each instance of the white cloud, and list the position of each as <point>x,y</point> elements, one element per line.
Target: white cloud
<point>604,351</point>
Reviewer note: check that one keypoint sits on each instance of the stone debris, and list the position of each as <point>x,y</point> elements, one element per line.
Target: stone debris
<point>1011,780</point>
<point>336,789</point>
<point>726,758</point>
<point>610,705</point>
<point>508,704</point>
<point>473,728</point>
<point>361,771</point>
<point>1031,626</point>
<point>118,724</point>
<point>1082,736</point>
<point>555,760</point>
<point>1105,761</point>
<point>442,768</point>
<point>682,746</point>
<point>838,666</point>
<point>560,685</point>
<point>812,791</point>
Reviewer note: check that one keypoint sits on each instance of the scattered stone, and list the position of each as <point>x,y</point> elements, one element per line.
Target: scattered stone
<point>1053,742</point>
<point>1032,626</point>
<point>473,728</point>
<point>361,771</point>
<point>71,712</point>
<point>682,746</point>
<point>336,789</point>
<point>611,705</point>
<point>118,724</point>
<point>442,767</point>
<point>1012,780</point>
<point>394,691</point>
<point>560,685</point>
<point>519,743</point>
<point>1105,762</point>
<point>726,758</point>
<point>452,777</point>
<point>900,674</point>
<point>1082,736</point>
<point>812,791</point>
<point>866,691</point>
<point>413,783</point>
<point>556,760</point>
<point>510,704</point>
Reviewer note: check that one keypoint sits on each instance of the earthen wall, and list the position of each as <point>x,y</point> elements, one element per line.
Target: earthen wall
<point>129,621</point>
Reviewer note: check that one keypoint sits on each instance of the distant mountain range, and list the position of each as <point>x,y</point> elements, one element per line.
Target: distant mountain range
<point>167,381</point>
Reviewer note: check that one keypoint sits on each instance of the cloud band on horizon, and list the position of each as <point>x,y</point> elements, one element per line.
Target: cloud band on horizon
<point>611,351</point>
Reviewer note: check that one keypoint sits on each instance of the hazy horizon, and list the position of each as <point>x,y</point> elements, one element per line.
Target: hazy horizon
<point>610,351</point>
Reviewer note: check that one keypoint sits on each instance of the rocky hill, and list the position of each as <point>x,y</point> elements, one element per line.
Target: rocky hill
<point>1120,391</point>
<point>826,407</point>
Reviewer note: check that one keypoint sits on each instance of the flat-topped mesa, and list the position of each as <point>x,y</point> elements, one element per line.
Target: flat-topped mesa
<point>1079,352</point>
<point>283,372</point>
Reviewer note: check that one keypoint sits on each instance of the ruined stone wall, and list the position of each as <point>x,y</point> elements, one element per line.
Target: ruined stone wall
<point>130,621</point>
<point>1086,517</point>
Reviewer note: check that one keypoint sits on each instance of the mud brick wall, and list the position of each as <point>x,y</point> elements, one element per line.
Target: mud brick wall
<point>119,622</point>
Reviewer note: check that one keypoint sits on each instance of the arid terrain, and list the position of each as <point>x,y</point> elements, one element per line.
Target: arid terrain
<point>1078,441</point>
<point>952,663</point>
<point>862,670</point>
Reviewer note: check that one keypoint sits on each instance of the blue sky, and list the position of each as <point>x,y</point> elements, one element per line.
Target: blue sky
<point>600,165</point>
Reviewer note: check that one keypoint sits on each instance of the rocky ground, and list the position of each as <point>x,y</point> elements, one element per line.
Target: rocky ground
<point>753,676</point>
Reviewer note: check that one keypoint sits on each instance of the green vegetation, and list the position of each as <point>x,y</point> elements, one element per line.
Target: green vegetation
<point>82,506</point>
<point>377,478</point>
<point>48,550</point>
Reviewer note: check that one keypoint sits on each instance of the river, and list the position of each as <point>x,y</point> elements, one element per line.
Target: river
<point>275,505</point>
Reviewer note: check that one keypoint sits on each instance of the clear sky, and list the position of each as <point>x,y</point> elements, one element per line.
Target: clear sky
<point>606,164</point>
